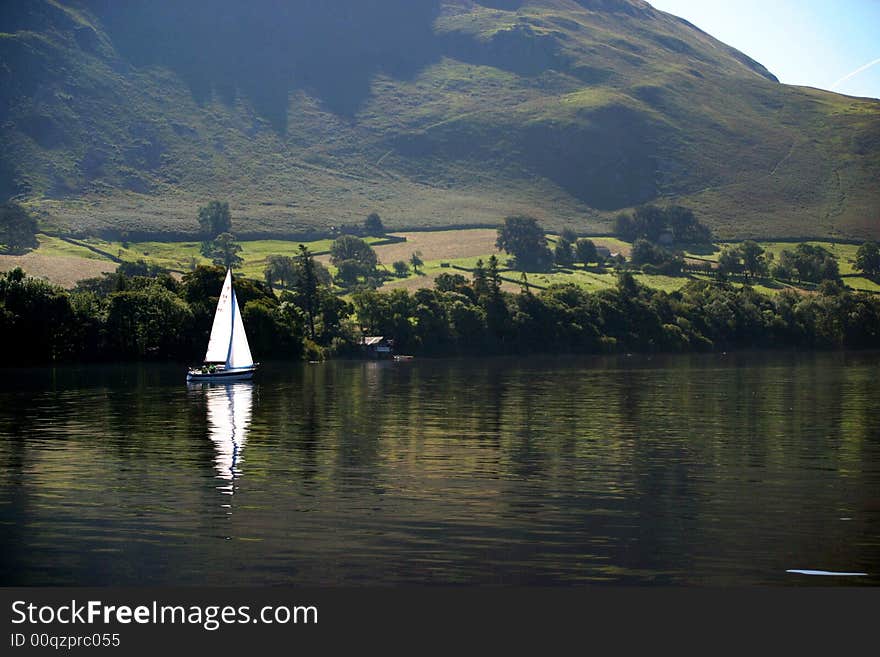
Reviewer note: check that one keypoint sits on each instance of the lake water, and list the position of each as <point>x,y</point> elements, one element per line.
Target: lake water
<point>694,470</point>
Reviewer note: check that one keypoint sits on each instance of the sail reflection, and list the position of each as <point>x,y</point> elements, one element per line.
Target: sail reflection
<point>229,418</point>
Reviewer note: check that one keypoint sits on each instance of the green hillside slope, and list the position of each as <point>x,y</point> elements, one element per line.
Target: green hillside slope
<point>304,115</point>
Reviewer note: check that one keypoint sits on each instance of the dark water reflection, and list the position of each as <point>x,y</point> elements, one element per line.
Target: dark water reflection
<point>676,470</point>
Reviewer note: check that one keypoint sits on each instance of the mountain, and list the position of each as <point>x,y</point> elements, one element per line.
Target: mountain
<point>304,114</point>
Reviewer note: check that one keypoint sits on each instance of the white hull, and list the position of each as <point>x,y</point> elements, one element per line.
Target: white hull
<point>242,374</point>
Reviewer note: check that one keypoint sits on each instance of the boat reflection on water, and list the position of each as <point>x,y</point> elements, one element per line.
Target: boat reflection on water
<point>229,418</point>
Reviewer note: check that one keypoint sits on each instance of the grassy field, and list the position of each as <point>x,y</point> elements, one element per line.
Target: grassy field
<point>451,251</point>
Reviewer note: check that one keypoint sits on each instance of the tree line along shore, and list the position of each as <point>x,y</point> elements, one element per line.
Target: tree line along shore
<point>304,309</point>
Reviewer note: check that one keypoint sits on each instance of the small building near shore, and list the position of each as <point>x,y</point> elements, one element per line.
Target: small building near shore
<point>378,346</point>
<point>603,252</point>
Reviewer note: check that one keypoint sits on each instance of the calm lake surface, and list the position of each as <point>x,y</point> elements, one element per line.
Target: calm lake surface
<point>694,470</point>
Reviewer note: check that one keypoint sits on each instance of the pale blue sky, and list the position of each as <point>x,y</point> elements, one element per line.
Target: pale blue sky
<point>817,43</point>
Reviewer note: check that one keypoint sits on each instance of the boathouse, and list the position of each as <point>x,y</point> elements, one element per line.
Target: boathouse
<point>378,346</point>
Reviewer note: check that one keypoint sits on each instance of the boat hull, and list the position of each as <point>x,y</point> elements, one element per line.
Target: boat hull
<point>238,374</point>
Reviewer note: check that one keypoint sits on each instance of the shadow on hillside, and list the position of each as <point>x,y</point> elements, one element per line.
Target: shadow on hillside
<point>265,49</point>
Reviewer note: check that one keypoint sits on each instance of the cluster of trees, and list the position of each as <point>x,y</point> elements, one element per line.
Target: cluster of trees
<point>868,260</point>
<point>356,263</point>
<point>402,267</point>
<point>806,263</point>
<point>656,259</point>
<point>219,245</point>
<point>570,250</point>
<point>18,229</point>
<point>136,317</point>
<point>524,238</point>
<point>672,224</point>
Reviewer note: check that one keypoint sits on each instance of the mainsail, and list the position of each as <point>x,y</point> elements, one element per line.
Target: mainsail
<point>228,343</point>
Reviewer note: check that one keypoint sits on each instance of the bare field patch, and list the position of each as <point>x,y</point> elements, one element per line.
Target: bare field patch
<point>412,283</point>
<point>441,245</point>
<point>61,270</point>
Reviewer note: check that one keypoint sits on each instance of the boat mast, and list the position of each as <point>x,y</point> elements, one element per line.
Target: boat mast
<point>232,324</point>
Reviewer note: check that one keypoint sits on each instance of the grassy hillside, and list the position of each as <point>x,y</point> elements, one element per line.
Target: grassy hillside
<point>129,116</point>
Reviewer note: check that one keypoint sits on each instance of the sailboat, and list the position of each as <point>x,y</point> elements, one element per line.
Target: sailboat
<point>229,356</point>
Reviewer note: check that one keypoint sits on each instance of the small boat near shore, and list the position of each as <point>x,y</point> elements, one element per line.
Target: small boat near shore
<point>228,357</point>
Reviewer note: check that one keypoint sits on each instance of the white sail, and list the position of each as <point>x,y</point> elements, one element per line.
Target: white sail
<point>228,343</point>
<point>221,331</point>
<point>239,349</point>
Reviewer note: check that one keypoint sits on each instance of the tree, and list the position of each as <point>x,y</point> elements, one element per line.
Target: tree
<point>18,229</point>
<point>223,250</point>
<point>480,285</point>
<point>810,263</point>
<point>452,283</point>
<point>624,227</point>
<point>401,268</point>
<point>353,259</point>
<point>652,223</point>
<point>730,261</point>
<point>569,235</point>
<point>280,268</point>
<point>523,238</point>
<point>643,252</point>
<point>215,219</point>
<point>416,261</point>
<point>655,259</point>
<point>306,286</point>
<point>139,268</point>
<point>373,225</point>
<point>685,227</point>
<point>563,253</point>
<point>754,261</point>
<point>148,323</point>
<point>585,251</point>
<point>349,247</point>
<point>868,259</point>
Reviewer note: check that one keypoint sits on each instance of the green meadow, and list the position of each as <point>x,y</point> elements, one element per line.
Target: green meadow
<point>435,247</point>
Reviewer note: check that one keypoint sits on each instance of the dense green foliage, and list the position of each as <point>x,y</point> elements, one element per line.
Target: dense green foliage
<point>655,224</point>
<point>868,259</point>
<point>656,259</point>
<point>807,262</point>
<point>523,238</point>
<point>17,229</point>
<point>118,317</point>
<point>355,261</point>
<point>585,251</point>
<point>215,219</point>
<point>373,225</point>
<point>748,258</point>
<point>416,261</point>
<point>223,250</point>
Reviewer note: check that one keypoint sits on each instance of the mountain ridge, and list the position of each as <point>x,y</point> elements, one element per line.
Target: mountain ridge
<point>120,118</point>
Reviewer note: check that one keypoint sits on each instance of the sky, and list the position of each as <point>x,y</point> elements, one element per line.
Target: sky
<point>828,44</point>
